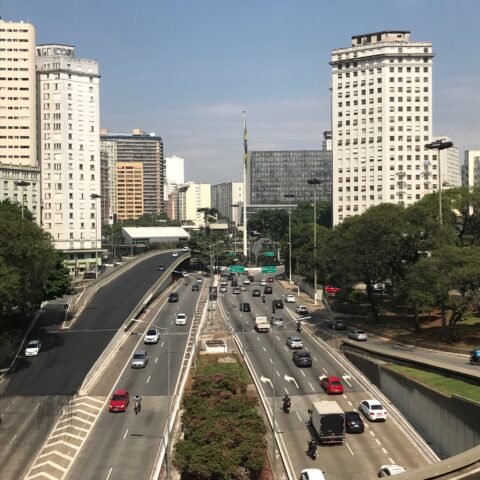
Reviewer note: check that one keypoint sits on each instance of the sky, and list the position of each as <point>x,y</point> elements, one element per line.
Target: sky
<point>187,69</point>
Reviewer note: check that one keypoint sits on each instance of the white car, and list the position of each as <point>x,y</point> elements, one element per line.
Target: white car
<point>246,282</point>
<point>389,470</point>
<point>358,335</point>
<point>199,280</point>
<point>175,254</point>
<point>290,298</point>
<point>263,282</point>
<point>180,319</point>
<point>373,410</point>
<point>152,336</point>
<point>223,288</point>
<point>276,321</point>
<point>33,348</point>
<point>294,342</point>
<point>302,310</point>
<point>312,474</point>
<point>185,249</point>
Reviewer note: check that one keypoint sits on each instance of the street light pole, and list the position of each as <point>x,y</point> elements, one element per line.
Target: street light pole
<point>96,196</point>
<point>314,182</point>
<point>439,145</point>
<point>22,184</point>
<point>274,436</point>
<point>289,196</point>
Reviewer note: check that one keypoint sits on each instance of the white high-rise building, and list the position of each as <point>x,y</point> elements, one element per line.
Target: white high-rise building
<point>226,198</point>
<point>174,174</point>
<point>471,169</point>
<point>381,121</point>
<point>69,151</point>
<point>191,197</point>
<point>450,164</point>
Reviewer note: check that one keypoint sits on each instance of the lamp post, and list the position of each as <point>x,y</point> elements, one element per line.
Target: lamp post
<point>22,184</point>
<point>439,145</point>
<point>95,197</point>
<point>235,205</point>
<point>289,196</point>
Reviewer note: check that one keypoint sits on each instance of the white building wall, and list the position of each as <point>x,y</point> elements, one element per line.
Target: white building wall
<point>197,196</point>
<point>471,169</point>
<point>175,174</point>
<point>69,143</point>
<point>450,158</point>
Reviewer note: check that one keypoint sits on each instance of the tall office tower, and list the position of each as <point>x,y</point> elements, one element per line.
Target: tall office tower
<point>327,140</point>
<point>129,190</point>
<point>471,169</point>
<point>19,170</point>
<point>69,151</point>
<point>191,197</point>
<point>174,174</point>
<point>224,197</point>
<point>144,148</point>
<point>381,120</point>
<point>450,170</point>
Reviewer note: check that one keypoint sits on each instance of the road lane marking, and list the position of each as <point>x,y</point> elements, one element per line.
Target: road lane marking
<point>350,403</point>
<point>286,391</point>
<point>148,379</point>
<point>277,337</point>
<point>371,433</point>
<point>271,361</point>
<point>285,347</point>
<point>303,373</point>
<point>315,358</point>
<point>344,396</point>
<point>156,359</point>
<point>390,459</point>
<point>162,344</point>
<point>125,436</point>
<point>348,446</point>
<point>278,373</point>
<point>14,437</point>
<point>346,378</point>
<point>264,349</point>
<point>311,386</point>
<point>10,404</point>
<point>378,441</point>
<point>384,451</point>
<point>324,370</point>
<point>298,415</point>
<point>109,473</point>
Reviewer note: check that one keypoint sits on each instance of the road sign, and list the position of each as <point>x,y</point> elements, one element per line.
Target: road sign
<point>236,268</point>
<point>269,269</point>
<point>269,254</point>
<point>231,254</point>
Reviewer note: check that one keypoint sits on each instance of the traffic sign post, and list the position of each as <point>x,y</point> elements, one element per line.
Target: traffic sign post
<point>269,269</point>
<point>236,269</point>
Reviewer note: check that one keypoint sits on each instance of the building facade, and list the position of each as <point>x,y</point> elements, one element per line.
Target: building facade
<point>129,190</point>
<point>192,196</point>
<point>450,168</point>
<point>224,197</point>
<point>273,174</point>
<point>381,121</point>
<point>69,151</point>
<point>471,169</point>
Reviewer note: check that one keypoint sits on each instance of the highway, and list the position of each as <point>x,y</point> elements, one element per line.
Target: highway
<point>34,393</point>
<point>361,455</point>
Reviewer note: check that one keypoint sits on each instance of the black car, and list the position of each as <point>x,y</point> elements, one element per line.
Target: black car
<point>277,303</point>
<point>161,267</point>
<point>251,278</point>
<point>245,307</point>
<point>302,358</point>
<point>337,325</point>
<point>195,287</point>
<point>353,422</point>
<point>256,293</point>
<point>173,297</point>
<point>267,289</point>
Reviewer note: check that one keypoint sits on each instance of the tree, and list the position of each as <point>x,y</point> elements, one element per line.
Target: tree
<point>58,282</point>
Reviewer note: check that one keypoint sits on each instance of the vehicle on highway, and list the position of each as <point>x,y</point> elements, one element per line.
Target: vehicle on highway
<point>139,359</point>
<point>185,249</point>
<point>276,321</point>
<point>328,420</point>
<point>223,288</point>
<point>175,254</point>
<point>373,410</point>
<point>256,293</point>
<point>180,319</point>
<point>294,342</point>
<point>119,401</point>
<point>236,291</point>
<point>277,303</point>
<point>312,474</point>
<point>353,422</point>
<point>267,289</point>
<point>358,335</point>
<point>474,358</point>
<point>161,267</point>
<point>173,297</point>
<point>302,358</point>
<point>199,280</point>
<point>152,336</point>
<point>270,279</point>
<point>336,325</point>
<point>261,324</point>
<point>246,282</point>
<point>332,385</point>
<point>389,470</point>
<point>290,298</point>
<point>245,307</point>
<point>263,282</point>
<point>195,287</point>
<point>302,310</point>
<point>33,348</point>
<point>331,290</point>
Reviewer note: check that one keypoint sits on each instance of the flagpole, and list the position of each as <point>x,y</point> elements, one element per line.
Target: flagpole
<point>245,153</point>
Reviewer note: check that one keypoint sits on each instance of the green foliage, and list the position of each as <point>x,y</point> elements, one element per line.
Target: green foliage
<point>58,282</point>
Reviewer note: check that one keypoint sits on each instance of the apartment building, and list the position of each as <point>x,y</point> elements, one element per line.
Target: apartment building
<point>174,174</point>
<point>192,196</point>
<point>69,151</point>
<point>381,121</point>
<point>471,169</point>
<point>227,198</point>
<point>450,167</point>
<point>129,190</point>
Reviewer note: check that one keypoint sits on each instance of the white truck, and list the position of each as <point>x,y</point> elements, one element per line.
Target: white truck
<point>328,420</point>
<point>261,324</point>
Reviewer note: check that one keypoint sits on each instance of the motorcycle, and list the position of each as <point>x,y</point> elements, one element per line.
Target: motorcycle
<point>474,360</point>
<point>286,406</point>
<point>137,407</point>
<point>312,449</point>
<point>299,327</point>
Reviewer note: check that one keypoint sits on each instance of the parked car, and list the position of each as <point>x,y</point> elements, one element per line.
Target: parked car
<point>180,319</point>
<point>302,310</point>
<point>331,290</point>
<point>152,336</point>
<point>256,293</point>
<point>195,287</point>
<point>33,348</point>
<point>290,298</point>
<point>353,422</point>
<point>373,410</point>
<point>312,474</point>
<point>294,342</point>
<point>175,254</point>
<point>139,359</point>
<point>119,401</point>
<point>236,291</point>
<point>173,297</point>
<point>390,470</point>
<point>277,303</point>
<point>267,289</point>
<point>332,385</point>
<point>302,358</point>
<point>276,321</point>
<point>245,307</point>
<point>358,335</point>
<point>263,282</point>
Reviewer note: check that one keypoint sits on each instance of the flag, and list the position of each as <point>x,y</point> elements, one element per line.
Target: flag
<point>245,146</point>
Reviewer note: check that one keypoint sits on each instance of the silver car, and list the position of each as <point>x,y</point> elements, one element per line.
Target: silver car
<point>276,321</point>
<point>358,335</point>
<point>294,342</point>
<point>140,359</point>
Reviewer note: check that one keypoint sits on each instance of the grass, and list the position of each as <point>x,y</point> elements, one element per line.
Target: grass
<point>210,365</point>
<point>445,385</point>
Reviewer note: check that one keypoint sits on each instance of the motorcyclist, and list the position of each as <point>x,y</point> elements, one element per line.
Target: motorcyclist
<point>299,326</point>
<point>475,356</point>
<point>287,402</point>
<point>312,448</point>
<point>137,401</point>
<point>263,298</point>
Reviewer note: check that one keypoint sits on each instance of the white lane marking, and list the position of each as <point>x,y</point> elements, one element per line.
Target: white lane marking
<point>258,338</point>
<point>311,386</point>
<point>378,441</point>
<point>286,391</point>
<point>384,451</point>
<point>348,446</point>
<point>109,473</point>
<point>371,433</point>
<point>162,344</point>
<point>264,349</point>
<point>324,370</point>
<point>346,378</point>
<point>271,361</point>
<point>277,372</point>
<point>37,405</point>
<point>344,396</point>
<point>277,337</point>
<point>350,403</point>
<point>303,373</point>
<point>315,358</point>
<point>366,425</point>
<point>390,459</point>
<point>148,379</point>
<point>156,359</point>
<point>285,347</point>
<point>125,435</point>
<point>298,415</point>
<point>11,441</point>
<point>11,403</point>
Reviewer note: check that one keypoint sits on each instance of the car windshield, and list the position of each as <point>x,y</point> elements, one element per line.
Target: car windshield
<point>295,339</point>
<point>118,397</point>
<point>376,407</point>
<point>360,332</point>
<point>336,383</point>
<point>138,356</point>
<point>353,416</point>
<point>151,332</point>
<point>304,354</point>
<point>32,345</point>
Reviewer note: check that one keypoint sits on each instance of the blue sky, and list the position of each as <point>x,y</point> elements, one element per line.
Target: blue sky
<point>186,69</point>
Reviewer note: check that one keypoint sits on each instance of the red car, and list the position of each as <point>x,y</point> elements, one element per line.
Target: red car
<point>332,385</point>
<point>270,279</point>
<point>119,401</point>
<point>331,290</point>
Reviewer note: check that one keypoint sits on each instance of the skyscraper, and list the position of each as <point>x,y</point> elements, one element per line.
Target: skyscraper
<point>450,164</point>
<point>381,121</point>
<point>69,150</point>
<point>224,195</point>
<point>174,174</point>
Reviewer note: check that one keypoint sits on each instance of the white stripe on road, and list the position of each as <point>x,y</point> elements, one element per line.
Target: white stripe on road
<point>264,349</point>
<point>315,358</point>
<point>350,403</point>
<point>384,451</point>
<point>125,436</point>
<point>311,386</point>
<point>324,370</point>
<point>348,446</point>
<point>303,373</point>
<point>14,437</point>
<point>277,372</point>
<point>271,361</point>
<point>148,379</point>
<point>109,473</point>
<point>156,359</point>
<point>298,415</point>
<point>378,441</point>
<point>371,433</point>
<point>390,459</point>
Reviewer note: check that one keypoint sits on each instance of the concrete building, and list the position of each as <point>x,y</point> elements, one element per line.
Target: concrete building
<point>69,151</point>
<point>273,174</point>
<point>450,164</point>
<point>327,140</point>
<point>471,169</point>
<point>149,235</point>
<point>138,147</point>
<point>190,197</point>
<point>224,195</point>
<point>175,174</point>
<point>381,121</point>
<point>129,190</point>
<point>18,122</point>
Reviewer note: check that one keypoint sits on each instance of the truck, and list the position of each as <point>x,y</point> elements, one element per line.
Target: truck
<point>328,420</point>
<point>261,324</point>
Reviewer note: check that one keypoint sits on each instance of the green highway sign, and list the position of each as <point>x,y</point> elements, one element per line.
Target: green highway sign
<point>269,254</point>
<point>236,268</point>
<point>269,269</point>
<point>231,254</point>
